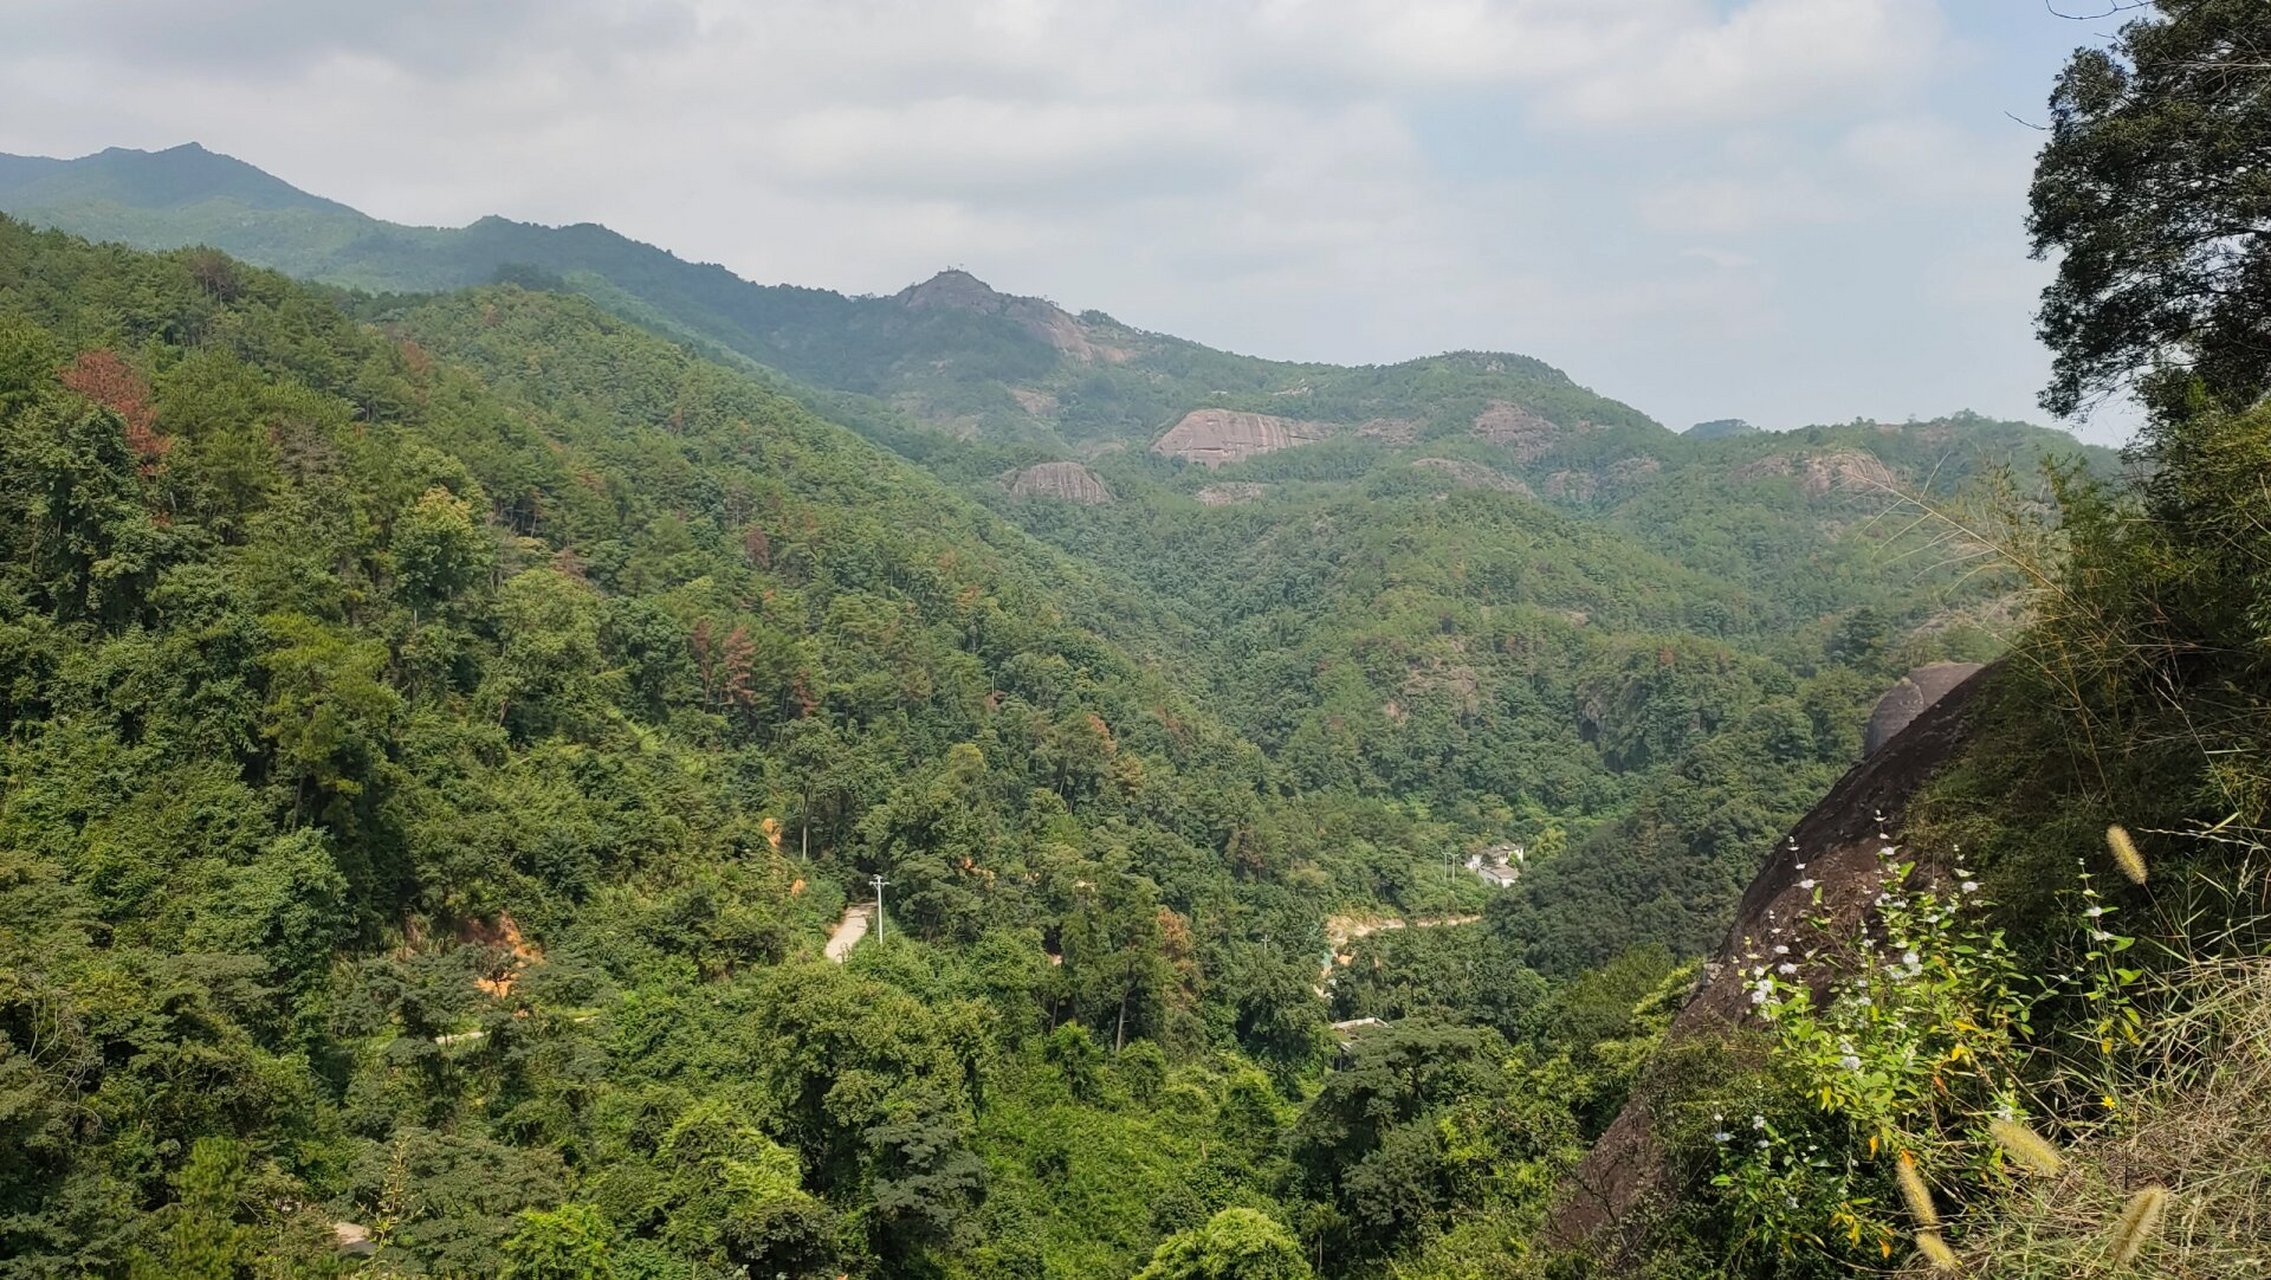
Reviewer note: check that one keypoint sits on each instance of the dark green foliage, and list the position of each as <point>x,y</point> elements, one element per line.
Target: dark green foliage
<point>2144,196</point>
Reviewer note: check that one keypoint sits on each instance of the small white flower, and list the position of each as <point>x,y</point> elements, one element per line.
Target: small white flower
<point>1722,1136</point>
<point>1910,958</point>
<point>1851,1062</point>
<point>1758,1122</point>
<point>1787,968</point>
<point>1971,886</point>
<point>1806,883</point>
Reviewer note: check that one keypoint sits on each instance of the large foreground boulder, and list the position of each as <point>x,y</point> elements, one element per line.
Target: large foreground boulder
<point>1905,701</point>
<point>1834,848</point>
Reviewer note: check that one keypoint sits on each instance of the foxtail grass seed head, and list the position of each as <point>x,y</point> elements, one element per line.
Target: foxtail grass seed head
<point>2140,1218</point>
<point>1913,1190</point>
<point>2026,1148</point>
<point>1936,1251</point>
<point>2125,852</point>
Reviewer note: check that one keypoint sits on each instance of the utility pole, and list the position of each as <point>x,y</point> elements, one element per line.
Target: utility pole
<point>878,881</point>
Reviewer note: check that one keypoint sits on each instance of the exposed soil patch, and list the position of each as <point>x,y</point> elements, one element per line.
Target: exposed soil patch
<point>504,936</point>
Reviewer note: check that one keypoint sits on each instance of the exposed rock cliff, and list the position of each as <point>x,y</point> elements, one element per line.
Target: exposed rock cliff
<point>1473,475</point>
<point>1069,481</point>
<point>1833,848</point>
<point>1907,700</point>
<point>1509,424</point>
<point>961,291</point>
<point>1218,437</point>
<point>1842,470</point>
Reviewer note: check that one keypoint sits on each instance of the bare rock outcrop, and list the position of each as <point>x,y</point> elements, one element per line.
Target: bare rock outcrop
<point>1574,486</point>
<point>1832,851</point>
<point>1841,470</point>
<point>1230,494</point>
<point>1527,434</point>
<point>961,291</point>
<point>1473,475</point>
<point>1905,701</point>
<point>1392,430</point>
<point>1219,437</point>
<point>1068,481</point>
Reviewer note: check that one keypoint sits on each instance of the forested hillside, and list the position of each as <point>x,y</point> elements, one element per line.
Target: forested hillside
<point>2001,1006</point>
<point>438,738</point>
<point>442,727</point>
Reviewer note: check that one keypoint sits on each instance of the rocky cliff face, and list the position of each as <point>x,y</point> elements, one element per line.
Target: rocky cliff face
<point>1907,700</point>
<point>1472,475</point>
<point>1067,481</point>
<point>1839,470</point>
<point>1833,849</point>
<point>1218,437</point>
<point>1527,434</point>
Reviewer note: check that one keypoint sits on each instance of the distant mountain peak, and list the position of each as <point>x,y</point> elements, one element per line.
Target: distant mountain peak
<point>171,178</point>
<point>957,290</point>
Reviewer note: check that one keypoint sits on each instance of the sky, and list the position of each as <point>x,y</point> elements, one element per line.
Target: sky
<point>1789,211</point>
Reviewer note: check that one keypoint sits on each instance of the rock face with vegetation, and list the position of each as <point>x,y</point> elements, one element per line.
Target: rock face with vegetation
<point>1917,691</point>
<point>1817,883</point>
<point>1065,481</point>
<point>1219,437</point>
<point>440,731</point>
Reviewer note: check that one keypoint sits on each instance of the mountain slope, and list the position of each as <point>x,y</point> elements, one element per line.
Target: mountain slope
<point>951,352</point>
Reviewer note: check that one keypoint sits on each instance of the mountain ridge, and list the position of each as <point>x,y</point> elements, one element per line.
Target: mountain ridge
<point>950,352</point>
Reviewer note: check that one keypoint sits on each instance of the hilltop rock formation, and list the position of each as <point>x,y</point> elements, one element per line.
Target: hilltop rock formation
<point>1832,851</point>
<point>1219,437</point>
<point>1905,701</point>
<point>961,291</point>
<point>1068,481</point>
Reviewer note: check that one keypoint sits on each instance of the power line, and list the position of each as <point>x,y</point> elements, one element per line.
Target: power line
<point>878,881</point>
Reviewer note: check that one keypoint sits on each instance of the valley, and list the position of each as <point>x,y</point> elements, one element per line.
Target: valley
<point>1314,799</point>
